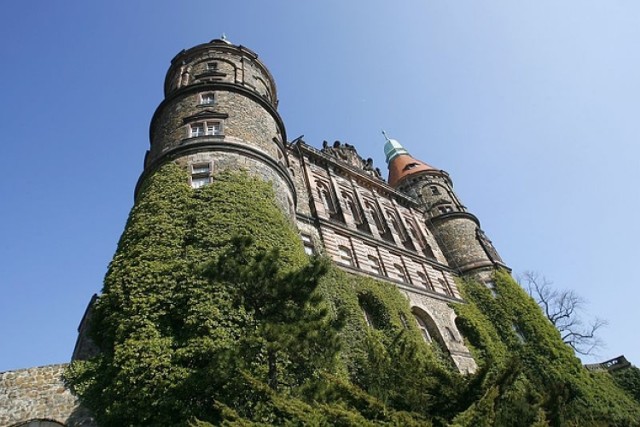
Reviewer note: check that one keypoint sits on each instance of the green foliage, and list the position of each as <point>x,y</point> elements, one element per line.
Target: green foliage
<point>628,379</point>
<point>211,314</point>
<point>535,379</point>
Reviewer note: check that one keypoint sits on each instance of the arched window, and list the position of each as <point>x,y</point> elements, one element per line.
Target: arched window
<point>397,227</point>
<point>415,232</point>
<point>375,216</point>
<point>428,252</point>
<point>368,318</point>
<point>326,197</point>
<point>353,208</point>
<point>427,326</point>
<point>423,328</point>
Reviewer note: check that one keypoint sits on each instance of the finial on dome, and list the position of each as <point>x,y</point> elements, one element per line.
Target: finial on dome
<point>392,148</point>
<point>222,39</point>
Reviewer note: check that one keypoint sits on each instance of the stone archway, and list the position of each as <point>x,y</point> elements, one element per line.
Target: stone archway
<point>39,423</point>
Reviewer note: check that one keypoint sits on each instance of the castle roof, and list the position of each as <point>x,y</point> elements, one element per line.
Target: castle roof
<point>401,164</point>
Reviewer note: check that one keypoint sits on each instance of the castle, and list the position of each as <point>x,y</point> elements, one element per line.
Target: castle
<point>220,113</point>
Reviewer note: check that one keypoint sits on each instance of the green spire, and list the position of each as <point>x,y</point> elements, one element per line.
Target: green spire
<point>392,148</point>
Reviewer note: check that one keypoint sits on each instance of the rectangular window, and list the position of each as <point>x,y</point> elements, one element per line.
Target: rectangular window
<point>308,244</point>
<point>209,127</point>
<point>207,98</point>
<point>213,128</point>
<point>402,273</point>
<point>201,168</point>
<point>424,281</point>
<point>491,285</point>
<point>200,182</point>
<point>200,174</point>
<point>374,263</point>
<point>197,129</point>
<point>345,255</point>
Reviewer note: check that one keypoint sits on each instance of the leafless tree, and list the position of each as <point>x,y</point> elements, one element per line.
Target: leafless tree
<point>565,309</point>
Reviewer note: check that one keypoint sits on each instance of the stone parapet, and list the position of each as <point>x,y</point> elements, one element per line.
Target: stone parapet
<point>39,394</point>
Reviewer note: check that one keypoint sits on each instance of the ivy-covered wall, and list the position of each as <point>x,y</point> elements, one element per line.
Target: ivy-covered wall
<point>526,372</point>
<point>211,313</point>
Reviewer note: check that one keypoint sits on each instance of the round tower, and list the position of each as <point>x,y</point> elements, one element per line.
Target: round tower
<point>220,113</point>
<point>458,232</point>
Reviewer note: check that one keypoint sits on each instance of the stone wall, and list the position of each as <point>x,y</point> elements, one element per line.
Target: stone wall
<point>39,394</point>
<point>446,332</point>
<point>240,117</point>
<point>457,232</point>
<point>256,166</point>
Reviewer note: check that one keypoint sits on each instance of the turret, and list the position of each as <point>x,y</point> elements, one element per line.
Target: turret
<point>458,232</point>
<point>219,113</point>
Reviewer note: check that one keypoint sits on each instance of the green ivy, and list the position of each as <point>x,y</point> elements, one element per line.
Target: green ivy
<point>535,380</point>
<point>198,324</point>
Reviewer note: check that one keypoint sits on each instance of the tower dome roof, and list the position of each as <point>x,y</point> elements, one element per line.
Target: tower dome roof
<point>393,149</point>
<point>401,164</point>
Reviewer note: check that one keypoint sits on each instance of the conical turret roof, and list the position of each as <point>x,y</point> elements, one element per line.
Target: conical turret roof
<point>401,164</point>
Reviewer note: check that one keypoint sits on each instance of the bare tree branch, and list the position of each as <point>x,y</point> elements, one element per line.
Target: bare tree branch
<point>565,309</point>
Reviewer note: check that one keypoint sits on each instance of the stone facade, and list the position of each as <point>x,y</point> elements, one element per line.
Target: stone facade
<point>348,212</point>
<point>38,395</point>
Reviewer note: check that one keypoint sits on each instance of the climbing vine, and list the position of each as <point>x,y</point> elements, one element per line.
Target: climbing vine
<point>212,314</point>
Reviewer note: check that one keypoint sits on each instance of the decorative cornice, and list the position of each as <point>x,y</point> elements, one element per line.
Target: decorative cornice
<point>373,183</point>
<point>455,215</point>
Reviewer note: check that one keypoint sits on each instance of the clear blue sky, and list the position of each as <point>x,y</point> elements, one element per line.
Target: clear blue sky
<point>531,106</point>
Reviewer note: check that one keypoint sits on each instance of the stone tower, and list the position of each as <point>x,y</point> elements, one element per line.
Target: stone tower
<point>464,244</point>
<point>220,113</point>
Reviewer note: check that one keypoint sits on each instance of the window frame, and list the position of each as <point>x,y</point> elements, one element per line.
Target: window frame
<point>307,243</point>
<point>375,264</point>
<point>401,271</point>
<point>205,125</point>
<point>207,98</point>
<point>200,175</point>
<point>345,255</point>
